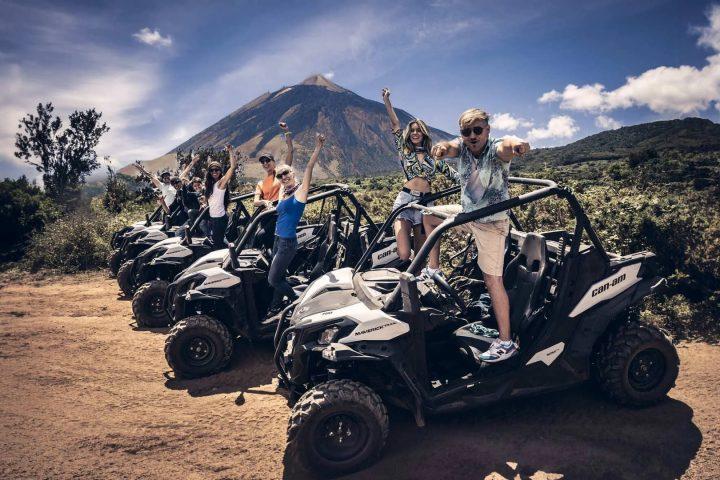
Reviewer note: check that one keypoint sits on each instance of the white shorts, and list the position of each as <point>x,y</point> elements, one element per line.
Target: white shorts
<point>490,238</point>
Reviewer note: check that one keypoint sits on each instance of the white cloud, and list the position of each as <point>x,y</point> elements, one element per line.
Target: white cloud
<point>329,75</point>
<point>679,90</point>
<point>607,123</point>
<point>561,126</point>
<point>506,122</point>
<point>152,37</point>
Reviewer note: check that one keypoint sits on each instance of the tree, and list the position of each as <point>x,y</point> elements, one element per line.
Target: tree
<point>117,193</point>
<point>65,157</point>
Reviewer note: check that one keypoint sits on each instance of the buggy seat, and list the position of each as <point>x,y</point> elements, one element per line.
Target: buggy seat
<point>523,280</point>
<point>325,257</point>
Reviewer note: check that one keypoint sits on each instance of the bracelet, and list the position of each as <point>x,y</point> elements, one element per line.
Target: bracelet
<point>287,133</point>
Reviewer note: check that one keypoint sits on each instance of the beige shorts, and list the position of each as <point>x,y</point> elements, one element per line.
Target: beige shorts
<point>489,238</point>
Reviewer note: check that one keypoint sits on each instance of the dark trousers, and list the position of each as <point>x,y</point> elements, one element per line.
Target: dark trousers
<point>283,253</point>
<point>217,231</point>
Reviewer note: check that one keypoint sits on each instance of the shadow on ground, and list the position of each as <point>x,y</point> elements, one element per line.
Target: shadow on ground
<point>250,366</point>
<point>571,435</point>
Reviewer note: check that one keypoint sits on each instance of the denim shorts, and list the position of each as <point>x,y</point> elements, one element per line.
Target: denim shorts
<point>411,215</point>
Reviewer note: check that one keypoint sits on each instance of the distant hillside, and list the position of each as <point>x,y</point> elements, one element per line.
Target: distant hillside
<point>686,135</point>
<point>359,141</point>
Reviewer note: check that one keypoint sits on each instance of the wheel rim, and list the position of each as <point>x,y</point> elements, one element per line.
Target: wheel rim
<point>646,370</point>
<point>341,436</point>
<point>199,351</point>
<point>157,306</point>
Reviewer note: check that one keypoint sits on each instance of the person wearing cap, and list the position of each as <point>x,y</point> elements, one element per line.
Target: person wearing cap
<point>290,208</point>
<point>267,190</point>
<point>218,196</point>
<point>163,184</point>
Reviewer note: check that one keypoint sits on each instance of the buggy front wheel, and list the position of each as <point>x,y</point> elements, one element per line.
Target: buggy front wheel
<point>198,346</point>
<point>337,427</point>
<point>148,305</point>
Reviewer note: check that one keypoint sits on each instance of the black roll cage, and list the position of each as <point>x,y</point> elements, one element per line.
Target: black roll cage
<point>205,211</point>
<point>549,189</point>
<point>339,191</point>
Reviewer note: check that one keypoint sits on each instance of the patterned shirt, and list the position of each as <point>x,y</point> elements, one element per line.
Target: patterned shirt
<point>484,179</point>
<point>427,169</point>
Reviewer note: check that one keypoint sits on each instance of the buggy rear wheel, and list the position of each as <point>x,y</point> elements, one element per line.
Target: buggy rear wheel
<point>198,346</point>
<point>637,365</point>
<point>114,261</point>
<point>338,426</point>
<point>148,305</point>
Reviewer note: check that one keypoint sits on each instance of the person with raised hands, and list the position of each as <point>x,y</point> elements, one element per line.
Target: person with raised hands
<point>267,190</point>
<point>167,184</point>
<point>413,145</point>
<point>293,197</point>
<point>484,166</point>
<point>218,196</point>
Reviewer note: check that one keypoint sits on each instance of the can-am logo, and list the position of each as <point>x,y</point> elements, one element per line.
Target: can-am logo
<point>374,329</point>
<point>385,254</point>
<point>607,285</point>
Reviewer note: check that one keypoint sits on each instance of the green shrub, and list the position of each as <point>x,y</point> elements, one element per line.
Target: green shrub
<point>24,210</point>
<point>79,240</point>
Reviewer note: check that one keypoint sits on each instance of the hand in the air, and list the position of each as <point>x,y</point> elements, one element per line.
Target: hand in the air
<point>319,140</point>
<point>386,93</point>
<point>439,151</point>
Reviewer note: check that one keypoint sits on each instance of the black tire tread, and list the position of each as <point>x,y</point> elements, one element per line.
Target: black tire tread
<point>114,260</point>
<point>124,278</point>
<point>198,321</point>
<point>140,299</point>
<point>323,395</point>
<point>617,351</point>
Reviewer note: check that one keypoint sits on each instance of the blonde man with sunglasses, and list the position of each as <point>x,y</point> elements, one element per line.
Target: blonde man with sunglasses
<point>483,165</point>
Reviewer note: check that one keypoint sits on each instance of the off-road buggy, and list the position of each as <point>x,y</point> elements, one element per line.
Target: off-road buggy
<point>385,336</point>
<point>213,306</point>
<point>165,259</point>
<point>150,219</point>
<point>133,241</point>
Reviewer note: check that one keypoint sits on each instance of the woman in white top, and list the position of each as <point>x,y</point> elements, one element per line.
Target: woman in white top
<point>218,197</point>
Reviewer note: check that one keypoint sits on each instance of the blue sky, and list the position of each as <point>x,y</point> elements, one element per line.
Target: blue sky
<point>549,71</point>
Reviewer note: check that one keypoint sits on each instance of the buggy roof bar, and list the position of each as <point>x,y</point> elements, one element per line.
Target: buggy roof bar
<point>393,215</point>
<point>549,188</point>
<point>326,191</point>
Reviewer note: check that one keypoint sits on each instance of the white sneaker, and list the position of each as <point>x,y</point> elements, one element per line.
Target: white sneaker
<point>428,272</point>
<point>499,351</point>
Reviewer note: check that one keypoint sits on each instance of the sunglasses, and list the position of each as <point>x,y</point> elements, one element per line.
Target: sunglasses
<point>476,130</point>
<point>265,160</point>
<point>213,170</point>
<point>282,175</point>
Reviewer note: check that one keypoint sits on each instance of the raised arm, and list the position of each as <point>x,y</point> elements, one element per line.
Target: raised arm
<point>194,159</point>
<point>153,179</point>
<point>222,183</point>
<point>449,149</point>
<point>394,121</point>
<point>512,147</point>
<point>288,142</point>
<point>302,193</point>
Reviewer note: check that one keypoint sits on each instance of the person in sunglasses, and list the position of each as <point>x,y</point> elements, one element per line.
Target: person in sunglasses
<point>290,208</point>
<point>218,196</point>
<point>484,165</point>
<point>268,189</point>
<point>413,145</point>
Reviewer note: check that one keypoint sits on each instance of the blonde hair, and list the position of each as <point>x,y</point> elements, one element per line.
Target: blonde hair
<point>469,116</point>
<point>407,143</point>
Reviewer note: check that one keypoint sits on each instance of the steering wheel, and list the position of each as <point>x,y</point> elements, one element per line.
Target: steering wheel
<point>446,288</point>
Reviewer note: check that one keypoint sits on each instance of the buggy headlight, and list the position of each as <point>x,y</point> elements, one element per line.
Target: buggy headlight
<point>290,345</point>
<point>328,335</point>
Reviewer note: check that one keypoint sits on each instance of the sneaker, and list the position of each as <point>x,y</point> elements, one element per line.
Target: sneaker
<point>428,272</point>
<point>499,351</point>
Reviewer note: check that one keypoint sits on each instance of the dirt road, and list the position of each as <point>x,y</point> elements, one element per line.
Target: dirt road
<point>85,395</point>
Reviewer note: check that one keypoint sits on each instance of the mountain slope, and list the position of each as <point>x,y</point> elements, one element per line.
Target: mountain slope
<point>685,135</point>
<point>359,141</point>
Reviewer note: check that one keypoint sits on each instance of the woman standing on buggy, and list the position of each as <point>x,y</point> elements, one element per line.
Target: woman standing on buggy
<point>413,145</point>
